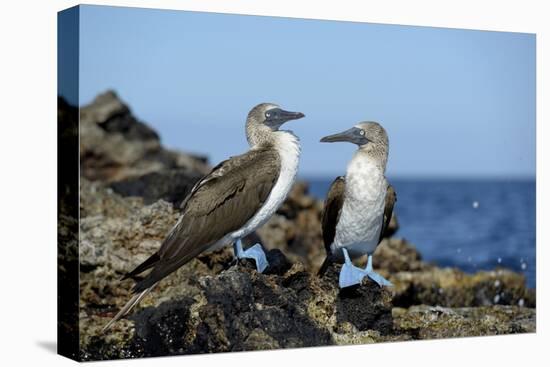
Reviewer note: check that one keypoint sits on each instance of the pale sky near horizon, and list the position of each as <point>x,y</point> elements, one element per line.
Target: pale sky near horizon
<point>455,103</point>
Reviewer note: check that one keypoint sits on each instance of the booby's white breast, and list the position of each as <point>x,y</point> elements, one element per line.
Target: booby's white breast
<point>288,147</point>
<point>360,223</point>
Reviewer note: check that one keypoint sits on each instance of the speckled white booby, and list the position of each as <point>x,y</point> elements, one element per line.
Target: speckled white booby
<point>234,199</point>
<point>359,206</point>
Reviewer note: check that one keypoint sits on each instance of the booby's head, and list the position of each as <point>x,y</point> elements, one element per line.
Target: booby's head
<point>369,136</point>
<point>266,118</point>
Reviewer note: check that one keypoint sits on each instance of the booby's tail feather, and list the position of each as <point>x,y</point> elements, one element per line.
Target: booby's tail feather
<point>127,308</point>
<point>149,263</point>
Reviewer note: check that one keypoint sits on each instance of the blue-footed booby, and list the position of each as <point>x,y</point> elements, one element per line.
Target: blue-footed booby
<point>238,196</point>
<point>359,206</point>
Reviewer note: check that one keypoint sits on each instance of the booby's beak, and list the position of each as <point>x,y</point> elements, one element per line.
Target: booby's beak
<point>353,135</point>
<point>277,117</point>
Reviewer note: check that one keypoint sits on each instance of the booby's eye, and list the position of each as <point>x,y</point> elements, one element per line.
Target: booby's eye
<point>362,132</point>
<point>268,114</point>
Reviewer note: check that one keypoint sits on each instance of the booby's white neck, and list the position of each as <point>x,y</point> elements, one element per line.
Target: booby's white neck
<point>364,177</point>
<point>288,147</point>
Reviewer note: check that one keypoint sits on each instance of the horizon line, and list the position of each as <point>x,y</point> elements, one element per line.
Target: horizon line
<point>513,177</point>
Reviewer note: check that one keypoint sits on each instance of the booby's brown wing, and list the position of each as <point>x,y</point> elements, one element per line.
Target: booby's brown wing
<point>331,215</point>
<point>391,198</point>
<point>222,202</point>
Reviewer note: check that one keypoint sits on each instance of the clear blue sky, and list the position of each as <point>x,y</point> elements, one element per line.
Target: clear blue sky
<point>455,103</point>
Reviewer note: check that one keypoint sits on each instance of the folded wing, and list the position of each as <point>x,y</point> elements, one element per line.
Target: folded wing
<point>391,198</point>
<point>331,215</point>
<point>221,203</point>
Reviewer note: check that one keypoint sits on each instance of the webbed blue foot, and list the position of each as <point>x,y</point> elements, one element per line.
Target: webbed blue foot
<point>255,252</point>
<point>352,275</point>
<point>377,278</point>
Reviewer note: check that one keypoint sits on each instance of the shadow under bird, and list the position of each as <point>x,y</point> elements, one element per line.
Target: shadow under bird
<point>238,196</point>
<point>359,206</point>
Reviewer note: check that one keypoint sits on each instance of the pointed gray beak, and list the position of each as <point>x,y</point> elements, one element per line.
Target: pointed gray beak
<point>287,115</point>
<point>277,117</point>
<point>352,135</point>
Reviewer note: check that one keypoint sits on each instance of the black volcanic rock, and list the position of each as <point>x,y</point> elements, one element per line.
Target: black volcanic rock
<point>171,185</point>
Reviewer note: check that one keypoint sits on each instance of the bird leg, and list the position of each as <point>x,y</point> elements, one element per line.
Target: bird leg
<point>255,252</point>
<point>352,275</point>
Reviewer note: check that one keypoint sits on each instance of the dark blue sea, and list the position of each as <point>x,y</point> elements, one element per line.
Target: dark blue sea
<point>470,224</point>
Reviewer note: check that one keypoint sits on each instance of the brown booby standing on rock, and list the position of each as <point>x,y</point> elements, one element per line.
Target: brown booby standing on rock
<point>234,199</point>
<point>359,206</point>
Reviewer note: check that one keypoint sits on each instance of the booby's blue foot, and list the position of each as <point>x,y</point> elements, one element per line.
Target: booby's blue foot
<point>352,275</point>
<point>255,252</point>
<point>379,279</point>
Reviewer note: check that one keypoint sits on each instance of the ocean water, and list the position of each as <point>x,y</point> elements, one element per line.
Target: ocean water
<point>469,224</point>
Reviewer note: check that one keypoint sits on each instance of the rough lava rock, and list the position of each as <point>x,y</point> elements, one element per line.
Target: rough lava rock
<point>428,322</point>
<point>215,304</point>
<point>170,185</point>
<point>115,147</point>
